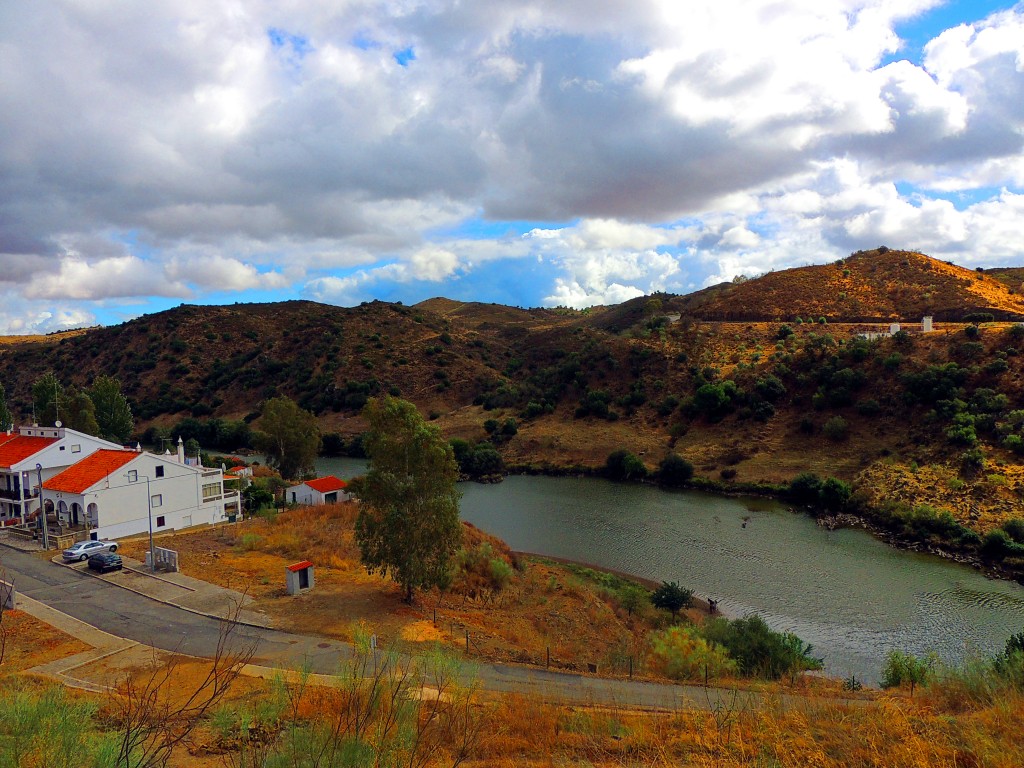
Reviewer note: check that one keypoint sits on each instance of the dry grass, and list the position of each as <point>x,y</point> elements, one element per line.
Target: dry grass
<point>545,605</point>
<point>31,642</point>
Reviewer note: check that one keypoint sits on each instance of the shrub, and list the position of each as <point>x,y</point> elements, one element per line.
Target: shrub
<point>674,470</point>
<point>758,650</point>
<point>682,654</point>
<point>836,429</point>
<point>997,546</point>
<point>834,494</point>
<point>672,597</point>
<point>905,668</point>
<point>1015,530</point>
<point>804,488</point>
<point>784,332</point>
<point>623,465</point>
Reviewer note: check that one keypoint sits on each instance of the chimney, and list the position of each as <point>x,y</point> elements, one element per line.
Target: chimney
<point>181,450</point>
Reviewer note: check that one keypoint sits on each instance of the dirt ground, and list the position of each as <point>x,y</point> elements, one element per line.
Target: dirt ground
<point>30,642</point>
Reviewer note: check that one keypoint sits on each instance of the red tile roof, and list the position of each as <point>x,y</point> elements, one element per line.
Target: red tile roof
<point>89,471</point>
<point>326,484</point>
<point>20,447</point>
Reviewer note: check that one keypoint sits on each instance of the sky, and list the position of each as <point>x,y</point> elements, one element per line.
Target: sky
<point>528,153</point>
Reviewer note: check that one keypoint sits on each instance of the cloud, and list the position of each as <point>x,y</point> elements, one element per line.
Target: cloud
<point>300,148</point>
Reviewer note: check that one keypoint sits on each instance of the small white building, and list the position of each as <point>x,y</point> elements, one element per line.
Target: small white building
<point>27,453</point>
<point>323,490</point>
<point>121,490</point>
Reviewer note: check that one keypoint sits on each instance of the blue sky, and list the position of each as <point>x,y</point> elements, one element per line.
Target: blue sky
<point>519,152</point>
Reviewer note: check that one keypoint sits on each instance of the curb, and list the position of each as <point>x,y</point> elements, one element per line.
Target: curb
<point>163,602</point>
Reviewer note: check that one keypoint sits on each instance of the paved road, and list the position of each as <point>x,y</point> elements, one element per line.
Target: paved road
<point>150,622</point>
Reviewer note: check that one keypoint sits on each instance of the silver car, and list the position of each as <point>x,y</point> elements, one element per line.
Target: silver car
<point>83,550</point>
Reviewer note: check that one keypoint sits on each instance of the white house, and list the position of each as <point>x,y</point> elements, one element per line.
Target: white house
<point>29,452</point>
<point>122,490</point>
<point>323,490</point>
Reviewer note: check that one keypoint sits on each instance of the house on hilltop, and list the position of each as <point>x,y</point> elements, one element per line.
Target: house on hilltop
<point>119,492</point>
<point>323,490</point>
<point>27,453</point>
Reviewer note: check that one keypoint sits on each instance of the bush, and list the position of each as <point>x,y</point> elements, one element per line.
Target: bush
<point>997,546</point>
<point>758,650</point>
<point>682,654</point>
<point>804,488</point>
<point>674,470</point>
<point>623,465</point>
<point>836,429</point>
<point>905,668</point>
<point>834,494</point>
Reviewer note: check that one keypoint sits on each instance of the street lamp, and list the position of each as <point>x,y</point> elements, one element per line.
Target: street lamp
<point>42,509</point>
<point>149,509</point>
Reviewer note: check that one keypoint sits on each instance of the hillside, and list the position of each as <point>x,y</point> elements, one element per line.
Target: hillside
<point>869,286</point>
<point>749,401</point>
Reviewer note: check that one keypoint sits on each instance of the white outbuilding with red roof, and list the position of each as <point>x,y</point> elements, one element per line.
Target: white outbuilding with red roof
<point>322,490</point>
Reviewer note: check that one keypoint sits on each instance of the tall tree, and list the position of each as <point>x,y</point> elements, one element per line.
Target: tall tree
<point>408,525</point>
<point>6,421</point>
<point>47,393</point>
<point>78,412</point>
<point>289,436</point>
<point>113,414</point>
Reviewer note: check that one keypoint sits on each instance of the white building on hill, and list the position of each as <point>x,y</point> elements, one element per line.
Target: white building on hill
<point>118,492</point>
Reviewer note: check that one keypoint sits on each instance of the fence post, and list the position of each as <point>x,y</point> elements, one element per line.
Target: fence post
<point>467,641</point>
<point>547,663</point>
<point>630,667</point>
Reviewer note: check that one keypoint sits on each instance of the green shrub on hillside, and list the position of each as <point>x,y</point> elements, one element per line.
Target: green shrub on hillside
<point>674,470</point>
<point>758,650</point>
<point>681,653</point>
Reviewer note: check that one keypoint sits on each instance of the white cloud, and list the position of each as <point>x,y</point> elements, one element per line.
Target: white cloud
<point>663,143</point>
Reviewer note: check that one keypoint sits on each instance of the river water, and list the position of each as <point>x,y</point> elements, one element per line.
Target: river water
<point>851,596</point>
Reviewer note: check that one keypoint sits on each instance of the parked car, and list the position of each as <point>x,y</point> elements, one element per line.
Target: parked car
<point>105,561</point>
<point>84,549</point>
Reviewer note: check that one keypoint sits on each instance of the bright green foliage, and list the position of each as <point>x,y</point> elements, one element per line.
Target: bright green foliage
<point>46,396</point>
<point>905,668</point>
<point>6,420</point>
<point>674,470</point>
<point>758,650</point>
<point>623,465</point>
<point>632,597</point>
<point>50,729</point>
<point>113,414</point>
<point>408,525</point>
<point>289,436</point>
<point>671,597</point>
<point>682,654</point>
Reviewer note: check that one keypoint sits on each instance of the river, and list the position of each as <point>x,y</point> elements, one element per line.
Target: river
<point>851,596</point>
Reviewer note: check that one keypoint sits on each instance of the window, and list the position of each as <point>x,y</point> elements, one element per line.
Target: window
<point>157,500</point>
<point>133,476</point>
<point>160,522</point>
<point>76,448</point>
<point>63,447</point>
<point>211,490</point>
<point>160,471</point>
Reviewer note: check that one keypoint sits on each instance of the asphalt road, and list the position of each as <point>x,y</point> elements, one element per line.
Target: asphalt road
<point>150,622</point>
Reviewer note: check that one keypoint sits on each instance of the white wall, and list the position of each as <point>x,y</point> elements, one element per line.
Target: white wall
<point>122,506</point>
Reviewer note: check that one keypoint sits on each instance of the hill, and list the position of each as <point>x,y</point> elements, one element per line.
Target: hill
<point>869,286</point>
<point>754,401</point>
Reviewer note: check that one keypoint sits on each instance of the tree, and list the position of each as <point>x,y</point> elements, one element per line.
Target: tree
<point>6,421</point>
<point>47,393</point>
<point>623,465</point>
<point>674,470</point>
<point>671,597</point>
<point>113,414</point>
<point>78,412</point>
<point>289,436</point>
<point>408,525</point>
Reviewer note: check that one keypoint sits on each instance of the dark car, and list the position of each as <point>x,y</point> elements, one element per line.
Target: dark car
<point>107,561</point>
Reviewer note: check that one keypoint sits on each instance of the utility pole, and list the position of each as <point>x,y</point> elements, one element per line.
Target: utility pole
<point>42,509</point>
